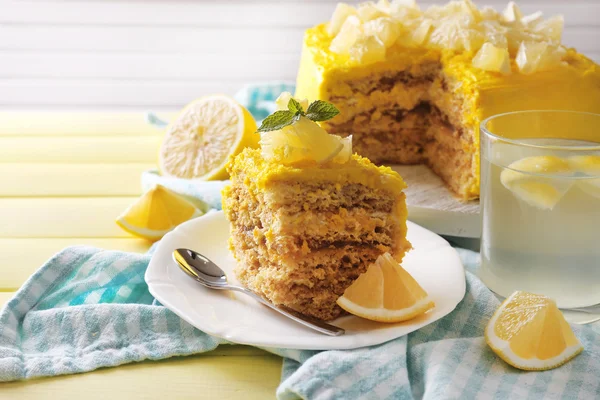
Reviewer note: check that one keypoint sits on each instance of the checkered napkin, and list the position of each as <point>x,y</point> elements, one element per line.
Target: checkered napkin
<point>88,308</point>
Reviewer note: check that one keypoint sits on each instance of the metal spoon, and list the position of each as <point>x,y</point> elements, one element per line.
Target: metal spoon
<point>211,276</point>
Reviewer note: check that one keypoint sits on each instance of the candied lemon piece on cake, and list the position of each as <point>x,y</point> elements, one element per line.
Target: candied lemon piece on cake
<point>385,30</point>
<point>368,50</point>
<point>533,57</point>
<point>492,58</point>
<point>589,166</point>
<point>386,293</point>
<point>348,35</point>
<point>301,141</point>
<point>552,28</point>
<point>157,212</point>
<point>341,13</point>
<point>527,179</point>
<point>512,13</point>
<point>529,332</point>
<point>198,143</point>
<point>291,134</point>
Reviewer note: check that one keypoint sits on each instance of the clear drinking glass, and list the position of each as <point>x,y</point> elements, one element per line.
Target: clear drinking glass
<point>540,199</point>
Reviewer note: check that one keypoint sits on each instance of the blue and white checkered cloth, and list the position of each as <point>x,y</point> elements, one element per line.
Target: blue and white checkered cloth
<point>88,308</point>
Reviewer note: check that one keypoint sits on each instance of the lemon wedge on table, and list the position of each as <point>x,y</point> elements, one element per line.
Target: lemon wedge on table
<point>385,293</point>
<point>157,212</point>
<point>525,179</point>
<point>529,332</point>
<point>588,165</point>
<point>198,143</point>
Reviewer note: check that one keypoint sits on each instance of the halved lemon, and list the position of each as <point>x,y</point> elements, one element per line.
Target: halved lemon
<point>529,332</point>
<point>385,293</point>
<point>588,165</point>
<point>535,180</point>
<point>198,143</point>
<point>157,212</point>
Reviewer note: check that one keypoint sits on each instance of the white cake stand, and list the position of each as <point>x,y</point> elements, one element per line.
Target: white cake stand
<point>431,205</point>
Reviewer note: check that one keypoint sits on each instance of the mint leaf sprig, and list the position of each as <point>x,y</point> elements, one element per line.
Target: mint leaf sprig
<point>318,110</point>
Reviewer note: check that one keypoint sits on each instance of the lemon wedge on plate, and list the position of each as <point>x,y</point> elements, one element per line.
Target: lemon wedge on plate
<point>385,293</point>
<point>587,165</point>
<point>157,212</point>
<point>199,141</point>
<point>529,332</point>
<point>528,179</point>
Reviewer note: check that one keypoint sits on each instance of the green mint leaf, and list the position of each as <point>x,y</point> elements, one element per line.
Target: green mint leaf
<point>320,110</point>
<point>295,107</point>
<point>278,120</point>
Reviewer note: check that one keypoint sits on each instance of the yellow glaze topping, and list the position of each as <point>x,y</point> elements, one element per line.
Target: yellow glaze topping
<point>357,170</point>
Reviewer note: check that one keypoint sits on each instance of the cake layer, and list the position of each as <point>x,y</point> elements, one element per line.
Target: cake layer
<point>263,174</point>
<point>286,230</point>
<point>389,134</point>
<point>328,196</point>
<point>445,153</point>
<point>466,96</point>
<point>311,285</point>
<point>303,233</point>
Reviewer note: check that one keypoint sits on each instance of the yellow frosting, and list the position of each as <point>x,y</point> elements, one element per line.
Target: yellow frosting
<point>573,85</point>
<point>357,170</point>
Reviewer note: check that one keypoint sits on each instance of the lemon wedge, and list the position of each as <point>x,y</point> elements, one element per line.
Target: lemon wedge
<point>529,332</point>
<point>157,212</point>
<point>590,166</point>
<point>198,143</point>
<point>303,140</point>
<point>525,179</point>
<point>385,293</point>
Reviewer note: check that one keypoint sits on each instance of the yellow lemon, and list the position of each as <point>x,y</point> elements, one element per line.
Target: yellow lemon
<point>157,212</point>
<point>385,293</point>
<point>588,165</point>
<point>529,332</point>
<point>303,140</point>
<point>529,180</point>
<point>198,143</point>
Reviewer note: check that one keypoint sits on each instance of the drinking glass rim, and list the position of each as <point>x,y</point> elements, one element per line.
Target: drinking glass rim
<point>519,142</point>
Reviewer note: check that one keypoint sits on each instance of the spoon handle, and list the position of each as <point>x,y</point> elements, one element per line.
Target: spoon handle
<point>310,322</point>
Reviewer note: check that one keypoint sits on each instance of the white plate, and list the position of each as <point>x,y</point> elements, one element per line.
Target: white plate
<point>239,319</point>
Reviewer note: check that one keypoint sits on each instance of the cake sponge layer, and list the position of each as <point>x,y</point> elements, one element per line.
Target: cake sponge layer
<point>302,243</point>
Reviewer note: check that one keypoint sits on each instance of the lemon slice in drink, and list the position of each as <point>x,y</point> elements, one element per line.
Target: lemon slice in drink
<point>588,165</point>
<point>526,179</point>
<point>529,332</point>
<point>157,212</point>
<point>199,141</point>
<point>385,293</point>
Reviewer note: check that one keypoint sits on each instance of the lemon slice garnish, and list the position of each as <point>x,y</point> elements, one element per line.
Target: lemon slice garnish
<point>303,140</point>
<point>524,178</point>
<point>587,165</point>
<point>199,141</point>
<point>157,212</point>
<point>386,293</point>
<point>529,332</point>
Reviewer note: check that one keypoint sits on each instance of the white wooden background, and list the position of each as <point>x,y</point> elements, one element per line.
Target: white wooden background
<point>135,54</point>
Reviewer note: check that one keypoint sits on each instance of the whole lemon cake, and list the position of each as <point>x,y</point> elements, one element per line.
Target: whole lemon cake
<point>307,216</point>
<point>413,85</point>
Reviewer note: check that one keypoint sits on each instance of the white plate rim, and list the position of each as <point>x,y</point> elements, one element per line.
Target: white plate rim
<point>167,293</point>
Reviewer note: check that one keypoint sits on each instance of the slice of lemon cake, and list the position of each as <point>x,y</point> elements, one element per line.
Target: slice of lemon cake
<point>307,216</point>
<point>413,85</point>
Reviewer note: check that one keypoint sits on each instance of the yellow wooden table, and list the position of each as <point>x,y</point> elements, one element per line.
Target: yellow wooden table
<point>64,177</point>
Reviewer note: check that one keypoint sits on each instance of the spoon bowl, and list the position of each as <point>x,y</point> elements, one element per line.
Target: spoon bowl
<point>206,272</point>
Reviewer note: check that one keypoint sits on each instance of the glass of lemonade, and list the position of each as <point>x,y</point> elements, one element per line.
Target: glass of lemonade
<point>540,202</point>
